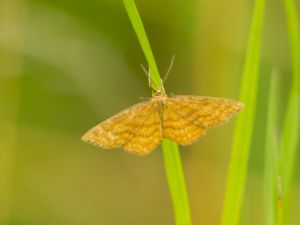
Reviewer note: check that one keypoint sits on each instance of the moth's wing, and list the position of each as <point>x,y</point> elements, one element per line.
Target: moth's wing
<point>187,117</point>
<point>115,131</point>
<point>119,130</point>
<point>147,134</point>
<point>205,111</point>
<point>178,128</point>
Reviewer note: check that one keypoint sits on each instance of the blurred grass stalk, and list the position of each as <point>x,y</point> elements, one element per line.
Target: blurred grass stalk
<point>10,62</point>
<point>237,173</point>
<point>271,174</point>
<point>174,172</point>
<point>279,174</point>
<point>290,135</point>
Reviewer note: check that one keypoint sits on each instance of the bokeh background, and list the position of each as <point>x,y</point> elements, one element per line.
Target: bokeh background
<point>67,65</point>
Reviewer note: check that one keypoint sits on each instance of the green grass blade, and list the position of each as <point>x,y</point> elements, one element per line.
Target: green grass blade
<point>138,27</point>
<point>244,127</point>
<point>290,135</point>
<point>177,182</point>
<point>271,155</point>
<point>173,167</point>
<point>279,209</point>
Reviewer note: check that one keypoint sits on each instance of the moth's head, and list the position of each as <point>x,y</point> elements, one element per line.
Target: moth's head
<point>159,92</point>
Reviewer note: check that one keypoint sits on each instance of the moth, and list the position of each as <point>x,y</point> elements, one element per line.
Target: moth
<point>181,118</point>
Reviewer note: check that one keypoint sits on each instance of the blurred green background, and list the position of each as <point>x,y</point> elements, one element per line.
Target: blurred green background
<point>67,65</point>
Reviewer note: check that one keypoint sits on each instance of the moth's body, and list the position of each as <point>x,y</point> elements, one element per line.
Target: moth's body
<point>183,119</point>
<point>159,99</point>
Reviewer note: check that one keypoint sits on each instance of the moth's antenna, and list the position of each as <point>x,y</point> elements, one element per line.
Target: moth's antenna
<point>169,69</point>
<point>147,74</point>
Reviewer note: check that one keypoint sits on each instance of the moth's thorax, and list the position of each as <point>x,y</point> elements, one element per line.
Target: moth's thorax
<point>159,97</point>
<point>159,100</point>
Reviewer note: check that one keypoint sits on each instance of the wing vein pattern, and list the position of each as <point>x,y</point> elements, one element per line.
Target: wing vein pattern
<point>183,119</point>
<point>186,118</point>
<point>129,129</point>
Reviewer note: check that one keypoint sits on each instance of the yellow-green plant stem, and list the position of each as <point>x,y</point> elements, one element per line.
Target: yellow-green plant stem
<point>138,27</point>
<point>176,182</point>
<point>290,134</point>
<point>272,181</point>
<point>173,167</point>
<point>279,209</point>
<point>237,174</point>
